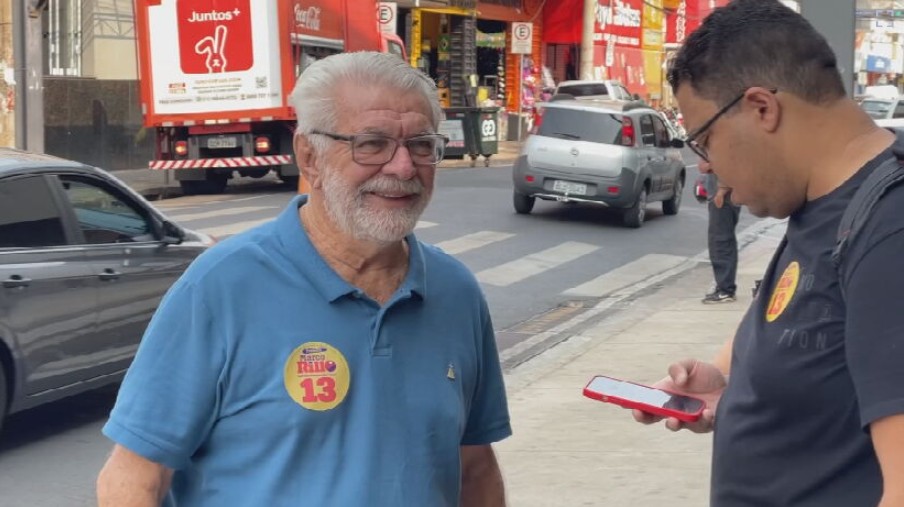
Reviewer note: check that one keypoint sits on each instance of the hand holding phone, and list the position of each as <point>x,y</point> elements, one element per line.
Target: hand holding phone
<point>697,379</point>
<point>645,398</point>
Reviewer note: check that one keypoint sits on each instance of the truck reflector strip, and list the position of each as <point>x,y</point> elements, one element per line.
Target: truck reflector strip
<point>211,163</point>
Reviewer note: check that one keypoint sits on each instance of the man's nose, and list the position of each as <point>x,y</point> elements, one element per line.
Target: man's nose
<point>400,165</point>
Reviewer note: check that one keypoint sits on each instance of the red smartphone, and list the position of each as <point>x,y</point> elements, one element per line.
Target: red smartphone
<point>648,399</point>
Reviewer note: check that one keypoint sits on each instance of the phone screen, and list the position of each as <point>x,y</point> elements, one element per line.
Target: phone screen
<point>646,395</point>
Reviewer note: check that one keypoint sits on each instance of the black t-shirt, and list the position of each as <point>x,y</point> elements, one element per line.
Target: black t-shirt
<point>809,373</point>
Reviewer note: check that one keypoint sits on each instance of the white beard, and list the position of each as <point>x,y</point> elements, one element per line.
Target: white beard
<point>346,207</point>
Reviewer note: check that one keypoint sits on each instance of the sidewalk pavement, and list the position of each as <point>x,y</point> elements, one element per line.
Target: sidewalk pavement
<point>155,185</point>
<point>568,450</point>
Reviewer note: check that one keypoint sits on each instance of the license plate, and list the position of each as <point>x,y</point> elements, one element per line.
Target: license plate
<point>567,187</point>
<point>222,142</point>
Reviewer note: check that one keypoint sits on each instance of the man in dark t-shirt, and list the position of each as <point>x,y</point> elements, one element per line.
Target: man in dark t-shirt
<point>813,414</point>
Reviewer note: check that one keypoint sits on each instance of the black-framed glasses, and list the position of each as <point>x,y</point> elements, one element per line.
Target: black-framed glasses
<point>378,149</point>
<point>691,139</point>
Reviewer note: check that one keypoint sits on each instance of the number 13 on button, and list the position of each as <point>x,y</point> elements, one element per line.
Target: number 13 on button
<point>317,376</point>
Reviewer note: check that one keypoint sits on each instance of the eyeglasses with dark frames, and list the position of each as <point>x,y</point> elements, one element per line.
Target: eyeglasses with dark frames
<point>691,141</point>
<point>379,149</point>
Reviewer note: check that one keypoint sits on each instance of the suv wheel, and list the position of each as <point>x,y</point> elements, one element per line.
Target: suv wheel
<point>523,203</point>
<point>635,215</point>
<point>671,206</point>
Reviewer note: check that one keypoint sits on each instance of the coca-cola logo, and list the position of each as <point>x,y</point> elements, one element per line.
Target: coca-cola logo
<point>308,18</point>
<point>199,17</point>
<point>617,14</point>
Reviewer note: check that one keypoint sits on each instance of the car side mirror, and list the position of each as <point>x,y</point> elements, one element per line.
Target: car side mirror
<point>676,143</point>
<point>172,234</point>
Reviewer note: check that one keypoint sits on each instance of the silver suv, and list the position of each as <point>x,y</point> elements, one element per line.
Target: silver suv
<point>617,154</point>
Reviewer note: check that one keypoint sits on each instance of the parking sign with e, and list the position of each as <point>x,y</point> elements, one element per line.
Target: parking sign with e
<point>386,14</point>
<point>522,37</point>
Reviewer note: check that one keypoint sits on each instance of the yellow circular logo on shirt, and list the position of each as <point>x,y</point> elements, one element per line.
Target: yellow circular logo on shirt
<point>317,376</point>
<point>783,292</point>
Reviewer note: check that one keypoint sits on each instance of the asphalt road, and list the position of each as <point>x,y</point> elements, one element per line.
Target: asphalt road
<point>527,265</point>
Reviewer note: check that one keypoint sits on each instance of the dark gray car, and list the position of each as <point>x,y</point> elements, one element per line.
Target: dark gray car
<point>84,261</point>
<point>617,154</point>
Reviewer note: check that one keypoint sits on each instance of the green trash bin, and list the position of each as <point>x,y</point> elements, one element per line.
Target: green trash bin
<point>484,126</point>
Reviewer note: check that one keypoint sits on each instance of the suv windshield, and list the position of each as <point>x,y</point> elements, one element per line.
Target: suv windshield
<point>876,108</point>
<point>584,90</point>
<point>593,126</point>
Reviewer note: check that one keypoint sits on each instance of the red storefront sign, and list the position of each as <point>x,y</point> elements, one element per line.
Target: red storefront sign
<point>619,21</point>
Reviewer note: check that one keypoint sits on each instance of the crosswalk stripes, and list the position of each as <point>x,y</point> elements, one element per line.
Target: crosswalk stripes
<point>534,264</point>
<point>626,275</point>
<point>242,210</point>
<point>501,275</point>
<point>472,241</point>
<point>230,229</point>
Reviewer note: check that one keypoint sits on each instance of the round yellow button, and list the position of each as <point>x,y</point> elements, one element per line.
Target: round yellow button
<point>317,376</point>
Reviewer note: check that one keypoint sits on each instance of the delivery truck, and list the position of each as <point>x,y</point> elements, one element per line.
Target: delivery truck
<point>215,77</point>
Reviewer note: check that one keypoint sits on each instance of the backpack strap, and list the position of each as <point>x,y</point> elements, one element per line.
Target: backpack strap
<point>858,211</point>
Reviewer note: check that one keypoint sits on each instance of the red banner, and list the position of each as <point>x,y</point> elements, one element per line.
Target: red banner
<point>560,26</point>
<point>627,67</point>
<point>621,20</point>
<point>687,18</point>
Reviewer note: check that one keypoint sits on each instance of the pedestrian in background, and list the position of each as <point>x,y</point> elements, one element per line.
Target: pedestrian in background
<point>721,236</point>
<point>328,357</point>
<point>813,413</point>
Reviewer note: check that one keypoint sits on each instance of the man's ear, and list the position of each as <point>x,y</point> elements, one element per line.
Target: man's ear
<point>765,105</point>
<point>306,160</point>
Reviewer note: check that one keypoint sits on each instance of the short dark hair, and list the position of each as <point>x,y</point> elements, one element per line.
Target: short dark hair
<point>757,43</point>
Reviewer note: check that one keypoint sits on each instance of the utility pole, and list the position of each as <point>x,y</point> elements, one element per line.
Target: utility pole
<point>7,88</point>
<point>29,72</point>
<point>590,7</point>
<point>835,20</point>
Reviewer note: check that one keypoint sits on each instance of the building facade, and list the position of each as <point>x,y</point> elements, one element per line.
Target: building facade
<point>90,93</point>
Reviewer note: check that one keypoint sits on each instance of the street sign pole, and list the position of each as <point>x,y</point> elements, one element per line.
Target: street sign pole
<point>522,39</point>
<point>520,91</point>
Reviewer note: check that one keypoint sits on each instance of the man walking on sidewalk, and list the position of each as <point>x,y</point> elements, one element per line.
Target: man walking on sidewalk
<point>813,415</point>
<point>721,238</point>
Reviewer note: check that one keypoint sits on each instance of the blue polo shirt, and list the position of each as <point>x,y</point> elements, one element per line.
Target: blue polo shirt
<point>266,379</point>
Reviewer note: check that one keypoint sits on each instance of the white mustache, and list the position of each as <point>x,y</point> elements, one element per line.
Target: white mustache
<point>392,185</point>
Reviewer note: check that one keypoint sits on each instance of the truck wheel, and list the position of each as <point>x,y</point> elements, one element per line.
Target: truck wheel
<point>523,203</point>
<point>190,187</point>
<point>214,184</point>
<point>671,206</point>
<point>635,215</point>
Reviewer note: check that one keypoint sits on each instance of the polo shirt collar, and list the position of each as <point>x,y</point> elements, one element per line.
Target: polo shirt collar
<point>301,252</point>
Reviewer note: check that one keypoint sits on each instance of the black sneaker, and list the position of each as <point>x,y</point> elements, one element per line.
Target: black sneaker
<point>718,296</point>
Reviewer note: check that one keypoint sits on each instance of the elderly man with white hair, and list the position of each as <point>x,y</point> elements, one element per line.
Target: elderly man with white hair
<point>327,357</point>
